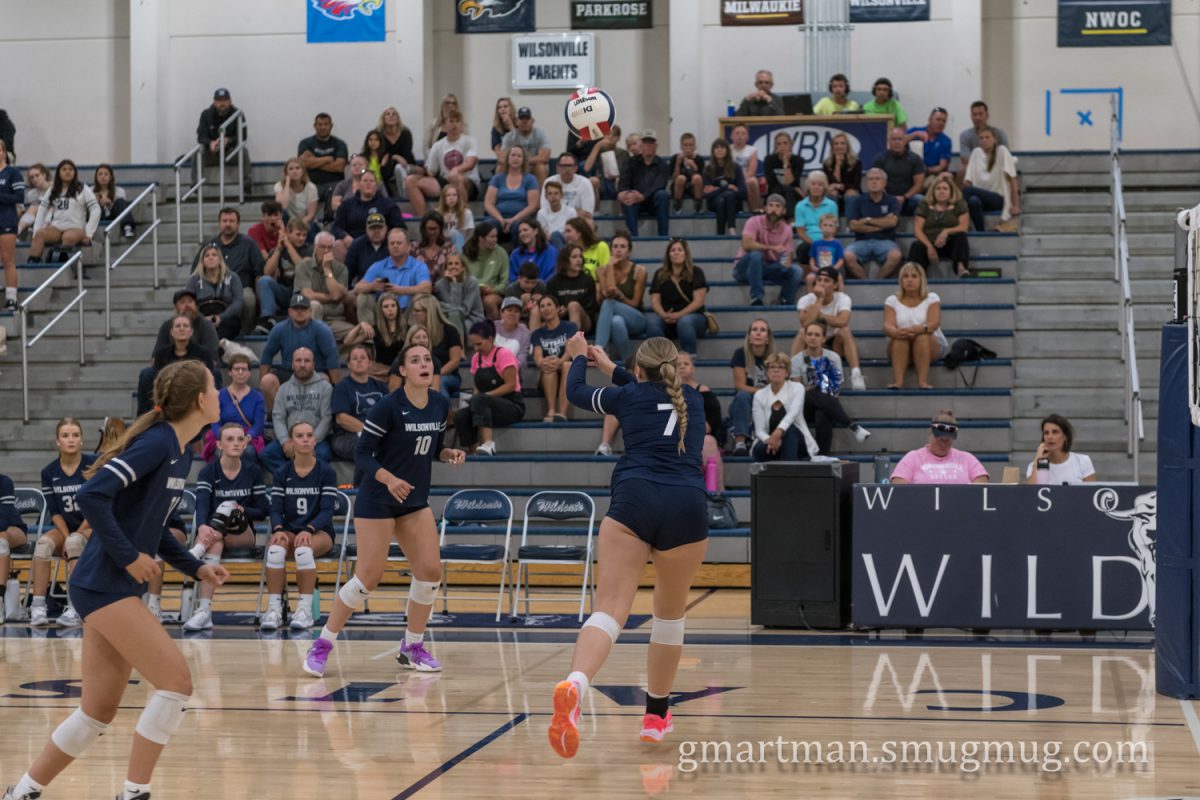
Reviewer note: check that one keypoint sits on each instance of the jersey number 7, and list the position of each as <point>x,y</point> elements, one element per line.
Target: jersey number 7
<point>672,420</point>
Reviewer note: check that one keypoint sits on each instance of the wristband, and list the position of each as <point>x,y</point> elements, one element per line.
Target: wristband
<point>279,528</point>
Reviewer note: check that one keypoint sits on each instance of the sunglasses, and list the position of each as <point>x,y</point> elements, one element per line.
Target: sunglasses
<point>944,430</point>
<point>939,110</point>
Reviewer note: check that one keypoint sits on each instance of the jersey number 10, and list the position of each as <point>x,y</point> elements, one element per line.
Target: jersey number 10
<point>423,445</point>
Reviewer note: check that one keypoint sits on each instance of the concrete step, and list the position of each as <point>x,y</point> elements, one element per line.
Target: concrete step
<point>1056,267</point>
<point>1097,244</point>
<point>1083,291</point>
<point>1082,372</point>
<point>1130,179</point>
<point>1097,344</point>
<point>1037,201</point>
<point>1099,317</point>
<point>1060,220</point>
<point>1119,467</point>
<point>1095,162</point>
<point>1072,403</point>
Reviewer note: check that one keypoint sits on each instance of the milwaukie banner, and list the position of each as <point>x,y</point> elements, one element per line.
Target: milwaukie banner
<point>610,14</point>
<point>762,12</point>
<point>1114,23</point>
<point>1004,556</point>
<point>889,11</point>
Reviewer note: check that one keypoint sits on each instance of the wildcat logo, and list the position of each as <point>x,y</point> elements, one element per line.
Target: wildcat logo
<point>1143,533</point>
<point>493,8</point>
<point>346,9</point>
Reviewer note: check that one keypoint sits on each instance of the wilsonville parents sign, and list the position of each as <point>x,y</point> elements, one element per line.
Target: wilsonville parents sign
<point>553,60</point>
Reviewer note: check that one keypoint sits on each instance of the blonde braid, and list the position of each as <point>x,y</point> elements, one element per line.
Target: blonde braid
<point>657,359</point>
<point>670,379</point>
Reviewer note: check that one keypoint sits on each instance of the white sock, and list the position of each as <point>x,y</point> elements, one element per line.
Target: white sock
<point>39,601</point>
<point>205,603</point>
<point>411,638</point>
<point>580,680</point>
<point>154,601</point>
<point>198,550</point>
<point>10,293</point>
<point>275,602</point>
<point>132,789</point>
<point>328,635</point>
<point>25,786</point>
<point>305,602</point>
<point>856,371</point>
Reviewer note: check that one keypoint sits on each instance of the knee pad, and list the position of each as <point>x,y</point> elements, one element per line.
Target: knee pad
<point>43,549</point>
<point>276,556</point>
<point>74,546</point>
<point>667,631</point>
<point>353,593</point>
<point>304,558</point>
<point>162,716</point>
<point>77,733</point>
<point>604,622</point>
<point>212,559</point>
<point>4,548</point>
<point>423,592</point>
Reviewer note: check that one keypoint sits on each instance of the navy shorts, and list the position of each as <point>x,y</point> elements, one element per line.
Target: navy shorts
<point>85,601</point>
<point>8,230</point>
<point>662,515</point>
<point>368,505</point>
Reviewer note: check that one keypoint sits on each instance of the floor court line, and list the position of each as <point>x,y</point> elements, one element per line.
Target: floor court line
<point>462,756</point>
<point>700,599</point>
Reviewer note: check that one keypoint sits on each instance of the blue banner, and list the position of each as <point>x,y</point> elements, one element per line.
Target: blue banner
<point>889,11</point>
<point>494,16</point>
<point>1114,23</point>
<point>811,136</point>
<point>1072,557</point>
<point>346,21</point>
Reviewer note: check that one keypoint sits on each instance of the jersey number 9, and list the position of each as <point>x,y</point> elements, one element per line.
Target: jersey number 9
<point>301,505</point>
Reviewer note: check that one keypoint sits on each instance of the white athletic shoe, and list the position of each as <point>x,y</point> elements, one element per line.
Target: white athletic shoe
<point>302,620</point>
<point>486,449</point>
<point>860,433</point>
<point>605,449</point>
<point>271,620</point>
<point>70,619</point>
<point>8,795</point>
<point>200,621</point>
<point>38,617</point>
<point>856,381</point>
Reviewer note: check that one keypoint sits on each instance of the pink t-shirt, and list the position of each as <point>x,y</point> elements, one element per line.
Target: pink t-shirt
<point>500,359</point>
<point>758,229</point>
<point>922,466</point>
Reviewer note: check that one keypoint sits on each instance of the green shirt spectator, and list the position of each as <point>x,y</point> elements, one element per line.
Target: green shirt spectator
<point>885,102</point>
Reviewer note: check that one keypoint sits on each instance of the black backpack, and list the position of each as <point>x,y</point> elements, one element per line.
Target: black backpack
<point>964,351</point>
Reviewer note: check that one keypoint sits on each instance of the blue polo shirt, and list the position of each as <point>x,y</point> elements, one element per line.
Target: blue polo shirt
<point>866,207</point>
<point>937,148</point>
<point>809,218</point>
<point>410,273</point>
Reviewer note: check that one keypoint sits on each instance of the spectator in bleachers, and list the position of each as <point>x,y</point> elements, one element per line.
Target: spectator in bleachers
<point>511,333</point>
<point>512,194</point>
<point>837,102</point>
<point>218,292</point>
<point>762,102</point>
<point>532,245</point>
<point>644,186</point>
<point>180,348</point>
<point>445,341</point>
<point>12,194</point>
<point>112,199</point>
<point>621,285</point>
<point>1055,463</point>
<point>687,167</point>
<point>458,293</point>
<point>296,193</point>
<point>389,331</point>
<point>826,252</point>
<point>267,232</point>
<point>243,405</point>
<point>528,288</point>
<point>324,281</point>
<point>67,530</point>
<point>243,258</point>
<point>677,298</point>
<point>504,121</point>
<point>306,396</point>
<point>968,140</point>
<point>367,249</point>
<point>724,186</point>
<point>208,130</point>
<point>938,146</point>
<point>488,263</point>
<point>397,150</point>
<point>808,213</point>
<point>440,127</point>
<point>399,274</point>
<point>203,331</point>
<point>905,171</point>
<point>595,250</point>
<point>352,183</point>
<point>820,370</point>
<point>433,247</point>
<point>324,156</point>
<point>574,288</point>
<point>418,335</point>
<point>37,183</point>
<point>350,222</point>
<point>578,192</point>
<point>68,215</point>
<point>533,141</point>
<point>450,161</point>
<point>990,182</point>
<point>885,102</point>
<point>749,366</point>
<point>765,254</point>
<point>299,330</point>
<point>873,220</point>
<point>459,219</point>
<point>825,303</point>
<point>372,150</point>
<point>843,169</point>
<point>912,320</point>
<point>939,461</point>
<point>605,171</point>
<point>353,396</point>
<point>746,157</point>
<point>783,170</point>
<point>779,427</point>
<point>549,344</point>
<point>553,214</point>
<point>496,401</point>
<point>276,285</point>
<point>940,227</point>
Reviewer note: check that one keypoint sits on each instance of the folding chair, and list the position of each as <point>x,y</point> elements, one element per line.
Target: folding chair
<point>31,505</point>
<point>559,506</point>
<point>475,507</point>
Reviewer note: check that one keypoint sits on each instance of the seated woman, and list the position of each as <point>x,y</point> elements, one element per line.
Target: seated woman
<point>390,327</point>
<point>749,366</point>
<point>112,199</point>
<point>574,288</point>
<point>458,293</point>
<point>724,186</point>
<point>940,227</point>
<point>433,248</point>
<point>61,479</point>
<point>496,401</point>
<point>512,195</point>
<point>990,183</point>
<point>779,425</point>
<point>180,348</point>
<point>677,298</point>
<point>621,286</point>
<point>912,320</point>
<point>488,263</point>
<point>1055,463</point>
<point>68,214</point>
<point>783,170</point>
<point>549,343</point>
<point>302,500</point>
<point>595,251</point>
<point>460,221</point>
<point>445,341</point>
<point>820,370</point>
<point>230,498</point>
<point>418,335</point>
<point>844,170</point>
<point>297,194</point>
<point>12,535</point>
<point>243,405</point>
<point>37,184</point>
<point>218,292</point>
<point>534,247</point>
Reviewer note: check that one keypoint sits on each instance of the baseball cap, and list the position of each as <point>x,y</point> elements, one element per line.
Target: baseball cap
<point>376,220</point>
<point>184,293</point>
<point>221,94</point>
<point>829,272</point>
<point>524,113</point>
<point>777,198</point>
<point>511,301</point>
<point>299,301</point>
<point>650,134</point>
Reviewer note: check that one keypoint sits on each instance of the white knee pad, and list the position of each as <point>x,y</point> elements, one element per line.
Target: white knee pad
<point>211,559</point>
<point>74,546</point>
<point>604,622</point>
<point>423,592</point>
<point>276,556</point>
<point>304,558</point>
<point>353,593</point>
<point>4,548</point>
<point>667,631</point>
<point>162,716</point>
<point>43,549</point>
<point>77,733</point>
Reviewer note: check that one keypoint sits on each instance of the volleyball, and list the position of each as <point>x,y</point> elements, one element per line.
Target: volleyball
<point>590,113</point>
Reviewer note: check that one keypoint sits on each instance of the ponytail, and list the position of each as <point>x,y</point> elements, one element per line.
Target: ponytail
<point>670,380</point>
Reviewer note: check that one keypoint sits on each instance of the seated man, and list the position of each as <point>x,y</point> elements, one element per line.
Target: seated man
<point>204,334</point>
<point>367,249</point>
<point>968,140</point>
<point>452,160</point>
<point>825,303</point>
<point>766,254</point>
<point>208,131</point>
<point>267,231</point>
<point>554,214</point>
<point>275,287</point>
<point>533,141</point>
<point>350,184</point>
<point>938,461</point>
<point>643,186</point>
<point>873,220</point>
<point>306,397</point>
<point>837,102</point>
<point>578,192</point>
<point>354,396</point>
<point>299,330</point>
<point>905,172</point>
<point>938,146</point>
<point>762,102</point>
<point>324,156</point>
<point>325,281</point>
<point>686,178</point>
<point>399,273</point>
<point>243,258</point>
<point>529,288</point>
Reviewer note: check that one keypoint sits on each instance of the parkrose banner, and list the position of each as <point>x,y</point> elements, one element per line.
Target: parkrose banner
<point>610,14</point>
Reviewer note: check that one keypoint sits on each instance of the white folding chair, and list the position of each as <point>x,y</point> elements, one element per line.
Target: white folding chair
<point>558,506</point>
<point>476,507</point>
<point>31,505</point>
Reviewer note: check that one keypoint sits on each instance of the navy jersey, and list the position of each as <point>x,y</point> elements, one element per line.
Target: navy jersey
<point>12,194</point>
<point>247,489</point>
<point>60,488</point>
<point>404,440</point>
<point>9,516</point>
<point>128,503</point>
<point>649,426</point>
<point>298,502</point>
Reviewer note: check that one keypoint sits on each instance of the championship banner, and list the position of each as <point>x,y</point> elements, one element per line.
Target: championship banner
<point>553,60</point>
<point>1114,23</point>
<point>811,136</point>
<point>1075,557</point>
<point>494,16</point>
<point>762,12</point>
<point>346,21</point>
<point>889,11</point>
<point>610,15</point>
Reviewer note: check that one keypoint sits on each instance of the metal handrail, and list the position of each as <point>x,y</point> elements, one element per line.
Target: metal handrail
<point>110,264</point>
<point>195,156</point>
<point>240,119</point>
<point>75,261</point>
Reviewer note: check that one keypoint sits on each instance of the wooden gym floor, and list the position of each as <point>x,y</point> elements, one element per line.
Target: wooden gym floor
<point>794,714</point>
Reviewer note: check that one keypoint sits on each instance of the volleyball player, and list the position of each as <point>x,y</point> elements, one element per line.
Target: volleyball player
<point>12,531</point>
<point>131,491</point>
<point>400,438</point>
<point>658,511</point>
<point>302,500</point>
<point>61,479</point>
<point>230,498</point>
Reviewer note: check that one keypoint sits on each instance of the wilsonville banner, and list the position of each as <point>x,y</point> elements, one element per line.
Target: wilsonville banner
<point>610,14</point>
<point>494,16</point>
<point>553,60</point>
<point>346,21</point>
<point>762,12</point>
<point>1114,23</point>
<point>889,11</point>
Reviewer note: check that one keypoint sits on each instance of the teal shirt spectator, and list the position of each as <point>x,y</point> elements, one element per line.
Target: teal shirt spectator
<point>808,217</point>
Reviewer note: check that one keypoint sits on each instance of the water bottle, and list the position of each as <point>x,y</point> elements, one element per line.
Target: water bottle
<point>316,603</point>
<point>12,599</point>
<point>730,108</point>
<point>186,601</point>
<point>712,472</point>
<point>883,466</point>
